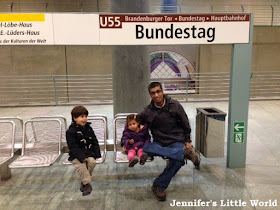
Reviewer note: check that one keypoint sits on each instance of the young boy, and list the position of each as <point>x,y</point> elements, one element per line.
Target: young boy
<point>83,147</point>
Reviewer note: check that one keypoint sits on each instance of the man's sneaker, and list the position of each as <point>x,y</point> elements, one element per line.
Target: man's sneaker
<point>87,189</point>
<point>192,155</point>
<point>143,158</point>
<point>133,161</point>
<point>160,194</point>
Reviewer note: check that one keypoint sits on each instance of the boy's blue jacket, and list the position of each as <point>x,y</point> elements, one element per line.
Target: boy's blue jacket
<point>82,142</point>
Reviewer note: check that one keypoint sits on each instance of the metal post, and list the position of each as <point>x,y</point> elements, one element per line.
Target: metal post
<point>239,102</point>
<point>180,8</point>
<point>272,15</point>
<point>55,93</point>
<point>187,88</point>
<point>66,70</point>
<point>97,4</point>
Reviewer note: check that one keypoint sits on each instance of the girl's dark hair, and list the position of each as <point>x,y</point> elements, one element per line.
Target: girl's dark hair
<point>132,117</point>
<point>78,111</point>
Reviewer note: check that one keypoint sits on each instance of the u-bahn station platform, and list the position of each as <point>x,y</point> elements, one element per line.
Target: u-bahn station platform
<point>212,55</point>
<point>116,186</point>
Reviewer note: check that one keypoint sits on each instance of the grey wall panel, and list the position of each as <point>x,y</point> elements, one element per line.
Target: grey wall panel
<point>32,60</point>
<point>5,61</point>
<point>214,58</point>
<point>89,60</point>
<point>266,35</point>
<point>266,57</point>
<point>38,60</point>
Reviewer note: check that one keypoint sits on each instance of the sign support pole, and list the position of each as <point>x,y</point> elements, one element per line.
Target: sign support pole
<point>239,102</point>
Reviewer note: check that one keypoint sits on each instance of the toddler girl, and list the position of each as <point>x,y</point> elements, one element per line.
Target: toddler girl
<point>135,136</point>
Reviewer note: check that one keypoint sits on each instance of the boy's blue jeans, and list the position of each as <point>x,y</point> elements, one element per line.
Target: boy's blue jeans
<point>174,152</point>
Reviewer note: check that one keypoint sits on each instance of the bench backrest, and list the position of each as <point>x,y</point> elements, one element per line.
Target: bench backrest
<point>18,125</point>
<point>42,136</point>
<point>99,126</point>
<point>7,139</point>
<point>119,124</point>
<point>60,118</point>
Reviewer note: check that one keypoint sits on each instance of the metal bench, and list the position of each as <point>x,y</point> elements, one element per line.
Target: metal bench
<point>7,141</point>
<point>41,144</point>
<point>99,126</point>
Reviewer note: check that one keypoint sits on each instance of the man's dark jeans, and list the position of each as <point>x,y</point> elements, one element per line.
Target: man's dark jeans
<point>174,152</point>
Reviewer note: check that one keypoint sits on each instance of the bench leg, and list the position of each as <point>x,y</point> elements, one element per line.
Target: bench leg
<point>5,171</point>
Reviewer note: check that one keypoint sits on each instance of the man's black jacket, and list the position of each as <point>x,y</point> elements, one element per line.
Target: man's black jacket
<point>168,124</point>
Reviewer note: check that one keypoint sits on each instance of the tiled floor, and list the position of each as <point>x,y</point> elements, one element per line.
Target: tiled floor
<point>115,186</point>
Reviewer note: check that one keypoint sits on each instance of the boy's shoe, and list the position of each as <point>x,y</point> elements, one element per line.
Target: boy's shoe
<point>133,161</point>
<point>87,189</point>
<point>160,194</point>
<point>82,187</point>
<point>143,158</point>
<point>191,154</point>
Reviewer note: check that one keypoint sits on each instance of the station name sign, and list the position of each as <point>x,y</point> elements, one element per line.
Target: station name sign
<point>123,29</point>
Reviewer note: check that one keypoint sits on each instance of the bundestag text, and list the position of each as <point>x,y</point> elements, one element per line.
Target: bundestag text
<point>175,33</point>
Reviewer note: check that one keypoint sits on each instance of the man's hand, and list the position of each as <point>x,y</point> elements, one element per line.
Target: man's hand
<point>131,141</point>
<point>188,145</point>
<point>124,149</point>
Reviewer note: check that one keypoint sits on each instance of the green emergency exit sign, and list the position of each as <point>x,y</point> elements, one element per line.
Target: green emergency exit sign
<point>238,132</point>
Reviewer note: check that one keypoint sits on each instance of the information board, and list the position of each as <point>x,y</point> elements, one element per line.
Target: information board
<point>123,29</point>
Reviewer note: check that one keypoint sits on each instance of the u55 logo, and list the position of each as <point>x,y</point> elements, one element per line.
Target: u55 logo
<point>109,21</point>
